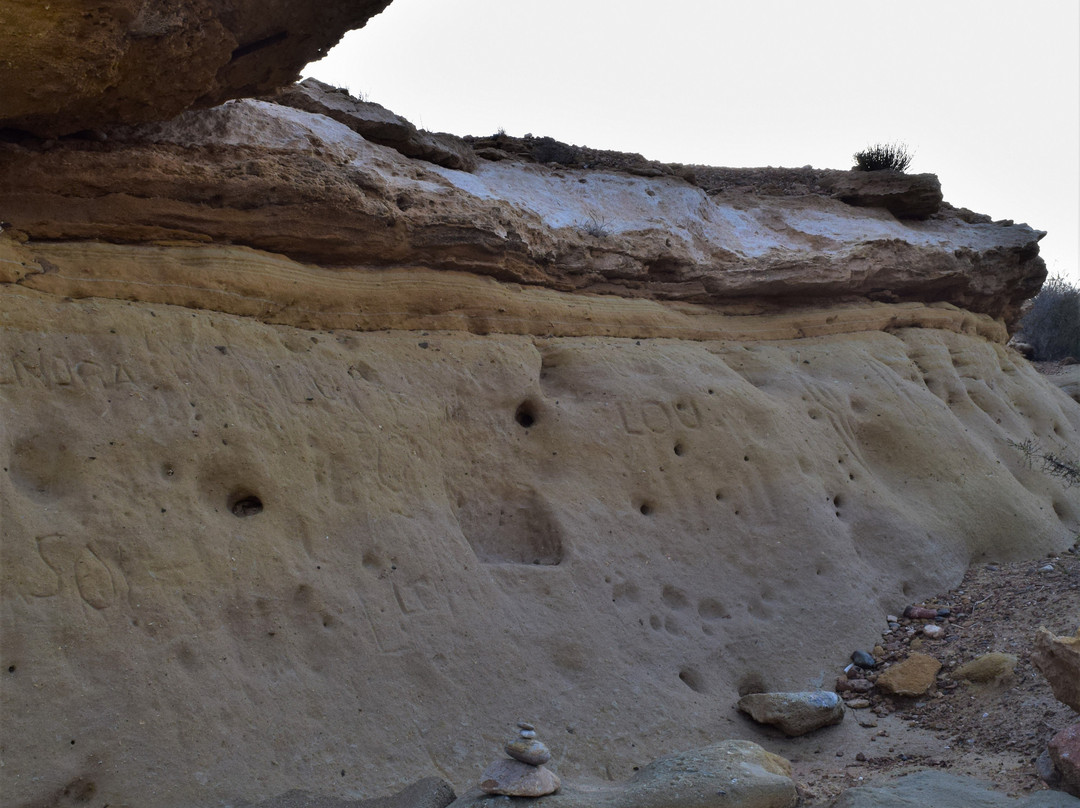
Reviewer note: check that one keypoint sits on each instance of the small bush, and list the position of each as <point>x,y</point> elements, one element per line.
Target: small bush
<point>597,226</point>
<point>1052,326</point>
<point>883,157</point>
<point>1056,464</point>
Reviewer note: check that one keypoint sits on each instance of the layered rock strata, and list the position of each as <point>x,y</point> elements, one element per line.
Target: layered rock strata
<point>306,186</point>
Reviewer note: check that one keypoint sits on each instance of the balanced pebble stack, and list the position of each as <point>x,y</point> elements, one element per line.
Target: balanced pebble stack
<point>524,774</point>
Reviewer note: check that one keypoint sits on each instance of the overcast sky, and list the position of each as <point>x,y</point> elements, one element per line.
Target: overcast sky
<point>985,93</point>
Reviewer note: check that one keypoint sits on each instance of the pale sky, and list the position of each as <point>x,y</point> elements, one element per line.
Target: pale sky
<point>985,93</point>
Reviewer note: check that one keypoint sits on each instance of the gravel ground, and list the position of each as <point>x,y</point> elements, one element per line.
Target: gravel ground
<point>993,731</point>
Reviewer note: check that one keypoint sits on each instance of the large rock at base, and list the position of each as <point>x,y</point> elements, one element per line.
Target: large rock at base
<point>794,713</point>
<point>1064,749</point>
<point>931,789</point>
<point>1058,659</point>
<point>730,774</point>
<point>911,677</point>
<point>66,67</point>
<point>512,778</point>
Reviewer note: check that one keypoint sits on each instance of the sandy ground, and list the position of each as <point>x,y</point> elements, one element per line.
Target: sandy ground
<point>994,731</point>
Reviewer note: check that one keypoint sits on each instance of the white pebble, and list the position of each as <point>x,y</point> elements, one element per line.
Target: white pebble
<point>932,631</point>
<point>527,733</point>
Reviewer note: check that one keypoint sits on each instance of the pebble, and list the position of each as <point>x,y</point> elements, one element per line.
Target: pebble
<point>891,618</point>
<point>863,660</point>
<point>920,613</point>
<point>859,704</point>
<point>933,632</point>
<point>527,733</point>
<point>528,750</point>
<point>525,725</point>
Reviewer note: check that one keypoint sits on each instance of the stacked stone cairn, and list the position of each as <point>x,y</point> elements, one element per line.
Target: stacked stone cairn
<point>523,774</point>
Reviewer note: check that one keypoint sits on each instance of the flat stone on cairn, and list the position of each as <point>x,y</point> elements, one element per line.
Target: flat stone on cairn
<point>524,775</point>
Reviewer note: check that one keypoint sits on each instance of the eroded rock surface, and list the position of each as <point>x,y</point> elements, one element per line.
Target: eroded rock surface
<point>226,539</point>
<point>68,67</point>
<point>303,185</point>
<point>316,454</point>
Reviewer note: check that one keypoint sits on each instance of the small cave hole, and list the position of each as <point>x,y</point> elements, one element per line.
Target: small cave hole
<point>526,414</point>
<point>646,509</point>
<point>11,669</point>
<point>679,449</point>
<point>692,679</point>
<point>243,503</point>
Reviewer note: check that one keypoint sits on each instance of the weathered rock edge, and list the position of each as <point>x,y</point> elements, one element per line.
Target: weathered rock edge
<point>302,185</point>
<point>273,289</point>
<point>132,61</point>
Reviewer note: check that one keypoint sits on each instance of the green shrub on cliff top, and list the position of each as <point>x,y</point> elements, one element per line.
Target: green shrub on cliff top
<point>883,157</point>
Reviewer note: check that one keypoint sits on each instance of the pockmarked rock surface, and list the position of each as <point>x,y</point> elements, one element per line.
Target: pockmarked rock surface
<point>133,61</point>
<point>1058,659</point>
<point>943,790</point>
<point>730,774</point>
<point>316,456</point>
<point>794,713</point>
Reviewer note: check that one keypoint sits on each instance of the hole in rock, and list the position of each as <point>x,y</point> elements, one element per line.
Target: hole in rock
<point>646,509</point>
<point>751,683</point>
<point>510,525</point>
<point>243,503</point>
<point>259,44</point>
<point>692,679</point>
<point>679,449</point>
<point>526,414</point>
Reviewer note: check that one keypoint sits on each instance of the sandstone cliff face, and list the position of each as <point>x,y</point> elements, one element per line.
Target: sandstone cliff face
<point>321,462</point>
